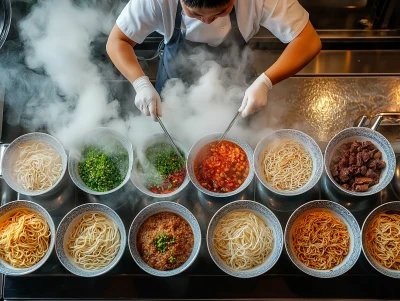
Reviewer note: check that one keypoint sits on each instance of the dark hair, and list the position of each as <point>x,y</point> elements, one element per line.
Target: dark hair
<point>205,3</point>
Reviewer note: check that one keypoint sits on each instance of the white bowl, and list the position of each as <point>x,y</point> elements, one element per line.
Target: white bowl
<point>392,206</point>
<point>267,216</point>
<point>309,144</point>
<point>100,137</point>
<point>352,228</point>
<point>136,175</point>
<point>363,134</point>
<point>65,228</point>
<point>10,208</point>
<point>10,155</point>
<point>215,137</point>
<point>155,208</point>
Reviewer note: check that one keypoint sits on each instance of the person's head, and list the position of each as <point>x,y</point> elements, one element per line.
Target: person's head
<point>207,11</point>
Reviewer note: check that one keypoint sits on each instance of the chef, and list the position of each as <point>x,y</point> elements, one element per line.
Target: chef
<point>214,24</point>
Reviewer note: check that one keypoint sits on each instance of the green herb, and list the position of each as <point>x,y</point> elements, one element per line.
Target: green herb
<point>162,242</point>
<point>172,259</point>
<point>165,162</point>
<point>101,171</point>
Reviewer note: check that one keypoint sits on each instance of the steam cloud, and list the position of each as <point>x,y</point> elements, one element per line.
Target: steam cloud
<point>59,84</point>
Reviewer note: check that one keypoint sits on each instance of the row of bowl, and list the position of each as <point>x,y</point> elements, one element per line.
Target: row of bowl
<point>59,237</point>
<point>109,137</point>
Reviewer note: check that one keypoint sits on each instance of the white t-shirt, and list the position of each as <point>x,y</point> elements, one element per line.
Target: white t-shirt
<point>284,18</point>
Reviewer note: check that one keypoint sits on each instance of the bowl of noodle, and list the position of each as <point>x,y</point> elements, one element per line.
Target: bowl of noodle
<point>381,239</point>
<point>323,239</point>
<point>244,239</point>
<point>34,164</point>
<point>27,236</point>
<point>288,162</point>
<point>90,240</point>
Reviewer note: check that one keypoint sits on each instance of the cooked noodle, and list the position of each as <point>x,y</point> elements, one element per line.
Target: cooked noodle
<point>24,238</point>
<point>287,165</point>
<point>242,240</point>
<point>38,166</point>
<point>320,240</point>
<point>94,241</point>
<point>383,240</point>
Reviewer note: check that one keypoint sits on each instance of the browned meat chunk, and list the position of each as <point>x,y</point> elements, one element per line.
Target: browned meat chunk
<point>363,180</point>
<point>336,159</point>
<point>359,160</point>
<point>344,175</point>
<point>346,186</point>
<point>371,174</point>
<point>380,164</point>
<point>369,145</point>
<point>361,188</point>
<point>354,147</point>
<point>352,159</point>
<point>378,155</point>
<point>343,163</point>
<point>335,170</point>
<point>363,170</point>
<point>366,155</point>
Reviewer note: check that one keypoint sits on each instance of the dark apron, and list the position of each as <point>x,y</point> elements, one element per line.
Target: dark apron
<point>178,47</point>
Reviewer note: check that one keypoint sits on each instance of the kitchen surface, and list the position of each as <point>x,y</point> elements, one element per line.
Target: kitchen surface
<point>354,81</point>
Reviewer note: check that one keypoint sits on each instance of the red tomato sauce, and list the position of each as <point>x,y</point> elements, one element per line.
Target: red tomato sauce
<point>170,184</point>
<point>221,168</point>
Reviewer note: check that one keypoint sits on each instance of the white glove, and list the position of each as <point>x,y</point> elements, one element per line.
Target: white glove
<point>255,96</point>
<point>147,99</point>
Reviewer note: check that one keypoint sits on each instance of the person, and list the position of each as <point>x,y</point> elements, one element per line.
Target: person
<point>187,24</point>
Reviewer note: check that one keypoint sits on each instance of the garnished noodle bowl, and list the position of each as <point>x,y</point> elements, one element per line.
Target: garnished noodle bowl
<point>287,165</point>
<point>94,241</point>
<point>24,238</point>
<point>242,240</point>
<point>383,240</point>
<point>38,166</point>
<point>320,240</point>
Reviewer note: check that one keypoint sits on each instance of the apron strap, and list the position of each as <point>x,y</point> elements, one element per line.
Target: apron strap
<point>232,17</point>
<point>178,22</point>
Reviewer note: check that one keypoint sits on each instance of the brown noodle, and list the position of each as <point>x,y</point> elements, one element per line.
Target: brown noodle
<point>320,240</point>
<point>383,240</point>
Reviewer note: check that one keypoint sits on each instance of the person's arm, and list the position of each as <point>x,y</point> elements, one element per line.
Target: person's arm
<point>300,51</point>
<point>296,56</point>
<point>120,49</point>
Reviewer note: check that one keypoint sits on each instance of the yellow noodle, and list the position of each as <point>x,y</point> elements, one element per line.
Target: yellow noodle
<point>320,240</point>
<point>242,240</point>
<point>24,239</point>
<point>94,241</point>
<point>287,165</point>
<point>38,166</point>
<point>383,240</point>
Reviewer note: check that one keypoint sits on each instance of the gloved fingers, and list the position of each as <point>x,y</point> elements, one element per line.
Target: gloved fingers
<point>159,113</point>
<point>153,110</point>
<point>145,110</point>
<point>244,104</point>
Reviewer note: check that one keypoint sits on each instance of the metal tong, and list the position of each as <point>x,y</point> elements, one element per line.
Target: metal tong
<point>228,128</point>
<point>170,139</point>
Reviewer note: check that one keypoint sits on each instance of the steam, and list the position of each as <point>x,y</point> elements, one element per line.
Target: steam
<point>58,84</point>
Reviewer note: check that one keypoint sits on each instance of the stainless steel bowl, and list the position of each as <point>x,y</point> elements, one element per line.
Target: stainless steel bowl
<point>101,137</point>
<point>5,20</point>
<point>136,177</point>
<point>194,151</point>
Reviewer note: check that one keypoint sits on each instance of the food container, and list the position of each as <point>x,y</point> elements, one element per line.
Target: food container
<point>391,207</point>
<point>104,138</point>
<point>137,177</point>
<point>65,227</point>
<point>147,212</point>
<point>352,228</point>
<point>196,148</point>
<point>10,156</point>
<point>268,217</point>
<point>5,20</point>
<point>308,143</point>
<point>5,212</point>
<point>362,134</point>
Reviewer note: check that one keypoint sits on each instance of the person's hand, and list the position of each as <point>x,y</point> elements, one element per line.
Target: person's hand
<point>255,96</point>
<point>147,99</point>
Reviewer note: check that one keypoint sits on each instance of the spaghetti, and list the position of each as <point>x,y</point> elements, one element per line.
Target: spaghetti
<point>242,240</point>
<point>24,239</point>
<point>94,241</point>
<point>320,240</point>
<point>287,165</point>
<point>383,240</point>
<point>38,166</point>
